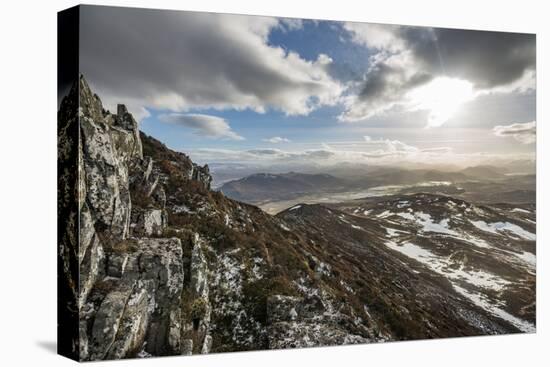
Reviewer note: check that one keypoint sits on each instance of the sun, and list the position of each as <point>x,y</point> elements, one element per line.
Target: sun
<point>442,97</point>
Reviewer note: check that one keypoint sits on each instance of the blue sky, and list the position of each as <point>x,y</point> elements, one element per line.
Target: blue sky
<point>241,89</point>
<point>312,39</point>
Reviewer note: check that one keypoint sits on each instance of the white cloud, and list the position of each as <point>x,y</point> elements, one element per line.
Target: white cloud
<point>377,36</point>
<point>291,24</point>
<point>525,133</point>
<point>276,140</point>
<point>181,61</point>
<point>203,125</point>
<point>388,146</point>
<point>379,151</point>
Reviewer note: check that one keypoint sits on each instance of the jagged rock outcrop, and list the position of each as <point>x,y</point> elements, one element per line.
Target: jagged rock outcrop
<point>108,147</point>
<point>130,284</point>
<point>201,174</point>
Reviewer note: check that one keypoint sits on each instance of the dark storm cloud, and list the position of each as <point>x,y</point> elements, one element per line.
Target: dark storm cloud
<point>487,59</point>
<point>377,81</point>
<point>408,57</point>
<point>182,60</point>
<point>385,82</point>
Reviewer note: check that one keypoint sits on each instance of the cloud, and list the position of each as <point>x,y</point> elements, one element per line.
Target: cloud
<point>291,24</point>
<point>276,140</point>
<point>443,150</point>
<point>192,62</point>
<point>389,146</point>
<point>377,36</point>
<point>406,58</point>
<point>278,154</point>
<point>267,152</point>
<point>525,133</point>
<point>487,59</point>
<point>372,151</point>
<point>385,86</point>
<point>204,125</point>
<point>440,156</point>
<point>184,60</point>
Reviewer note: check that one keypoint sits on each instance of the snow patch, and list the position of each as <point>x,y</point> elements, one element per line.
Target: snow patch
<point>501,228</point>
<point>476,278</point>
<point>427,223</point>
<point>181,209</point>
<point>528,257</point>
<point>284,227</point>
<point>394,232</point>
<point>481,301</point>
<point>444,266</point>
<point>384,214</point>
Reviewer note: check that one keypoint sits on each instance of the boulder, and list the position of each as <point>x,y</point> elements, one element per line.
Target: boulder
<point>107,321</point>
<point>150,222</point>
<point>134,322</point>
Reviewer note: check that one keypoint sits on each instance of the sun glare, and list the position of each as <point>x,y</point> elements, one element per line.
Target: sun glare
<point>442,97</point>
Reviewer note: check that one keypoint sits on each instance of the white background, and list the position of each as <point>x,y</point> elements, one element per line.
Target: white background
<point>28,182</point>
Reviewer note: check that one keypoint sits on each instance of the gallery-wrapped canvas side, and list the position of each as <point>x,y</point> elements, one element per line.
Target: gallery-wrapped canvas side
<point>68,339</point>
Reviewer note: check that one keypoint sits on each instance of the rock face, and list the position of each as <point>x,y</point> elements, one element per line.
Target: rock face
<point>165,266</point>
<point>130,285</point>
<point>109,145</point>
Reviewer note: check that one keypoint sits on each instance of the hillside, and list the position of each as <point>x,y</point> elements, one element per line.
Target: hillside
<point>168,267</point>
<point>266,186</point>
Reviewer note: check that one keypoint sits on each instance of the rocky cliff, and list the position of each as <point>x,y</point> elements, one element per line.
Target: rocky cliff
<point>162,265</point>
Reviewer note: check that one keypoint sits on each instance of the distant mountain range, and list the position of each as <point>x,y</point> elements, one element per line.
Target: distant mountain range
<point>261,187</point>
